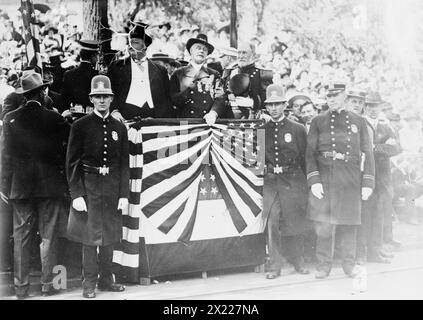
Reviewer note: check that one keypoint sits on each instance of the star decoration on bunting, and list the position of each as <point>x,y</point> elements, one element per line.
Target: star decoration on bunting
<point>202,177</point>
<point>214,190</point>
<point>203,191</point>
<point>212,177</point>
<point>252,125</point>
<point>242,125</point>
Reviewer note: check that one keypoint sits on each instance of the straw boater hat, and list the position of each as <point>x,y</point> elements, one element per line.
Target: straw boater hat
<point>357,93</point>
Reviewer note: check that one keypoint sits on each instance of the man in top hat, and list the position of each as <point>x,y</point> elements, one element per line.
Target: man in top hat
<point>141,86</point>
<point>195,89</point>
<point>340,173</point>
<point>285,185</point>
<point>97,167</point>
<point>259,78</point>
<point>164,60</point>
<point>379,206</point>
<point>32,179</point>
<point>77,81</point>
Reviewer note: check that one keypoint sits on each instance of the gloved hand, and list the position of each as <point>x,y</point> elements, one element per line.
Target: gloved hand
<point>116,114</point>
<point>210,118</point>
<point>317,190</point>
<point>265,117</point>
<point>123,203</point>
<point>79,204</point>
<point>366,193</point>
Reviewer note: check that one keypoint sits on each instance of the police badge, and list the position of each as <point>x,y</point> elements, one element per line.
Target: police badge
<point>354,128</point>
<point>288,137</point>
<point>114,135</point>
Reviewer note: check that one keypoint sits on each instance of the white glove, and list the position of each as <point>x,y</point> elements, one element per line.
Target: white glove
<point>116,114</point>
<point>317,190</point>
<point>79,204</point>
<point>210,118</point>
<point>366,193</point>
<point>66,114</point>
<point>123,203</point>
<point>265,117</point>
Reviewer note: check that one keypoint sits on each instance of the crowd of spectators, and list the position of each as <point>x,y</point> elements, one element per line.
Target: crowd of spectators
<point>298,64</point>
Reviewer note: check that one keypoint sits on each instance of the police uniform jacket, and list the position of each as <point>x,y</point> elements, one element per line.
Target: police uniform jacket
<point>345,136</point>
<point>120,74</point>
<point>33,153</point>
<point>97,142</point>
<point>260,79</point>
<point>77,85</point>
<point>286,143</point>
<point>196,102</point>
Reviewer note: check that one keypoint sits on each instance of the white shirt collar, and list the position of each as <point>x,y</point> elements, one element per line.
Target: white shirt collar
<point>34,101</point>
<point>99,114</point>
<point>196,65</point>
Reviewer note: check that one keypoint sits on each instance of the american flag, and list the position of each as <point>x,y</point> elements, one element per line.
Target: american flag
<point>180,170</point>
<point>31,33</point>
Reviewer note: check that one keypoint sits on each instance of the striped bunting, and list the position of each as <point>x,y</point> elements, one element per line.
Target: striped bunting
<point>169,164</point>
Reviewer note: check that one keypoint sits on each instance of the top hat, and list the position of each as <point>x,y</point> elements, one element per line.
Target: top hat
<point>239,84</point>
<point>335,88</point>
<point>138,31</point>
<point>357,93</point>
<point>30,81</point>
<point>201,38</point>
<point>89,45</point>
<point>101,85</point>
<point>274,94</point>
<point>373,98</point>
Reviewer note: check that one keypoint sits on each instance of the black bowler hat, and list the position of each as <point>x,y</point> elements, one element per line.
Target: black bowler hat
<point>201,38</point>
<point>138,31</point>
<point>165,58</point>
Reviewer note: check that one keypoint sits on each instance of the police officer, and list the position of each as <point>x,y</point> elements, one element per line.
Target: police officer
<point>340,172</point>
<point>259,78</point>
<point>379,206</point>
<point>97,164</point>
<point>195,89</point>
<point>285,185</point>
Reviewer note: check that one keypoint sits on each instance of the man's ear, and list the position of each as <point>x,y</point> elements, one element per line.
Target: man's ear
<point>91,99</point>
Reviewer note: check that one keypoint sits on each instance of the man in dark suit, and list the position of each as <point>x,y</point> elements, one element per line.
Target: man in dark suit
<point>340,177</point>
<point>33,180</point>
<point>285,186</point>
<point>141,87</point>
<point>379,206</point>
<point>97,166</point>
<point>77,81</point>
<point>195,89</point>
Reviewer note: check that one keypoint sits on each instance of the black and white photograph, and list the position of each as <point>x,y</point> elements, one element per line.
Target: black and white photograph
<point>211,155</point>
